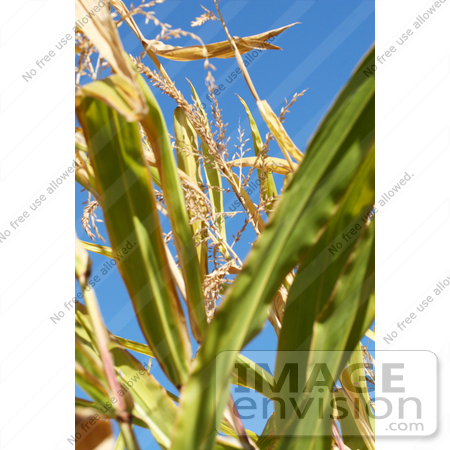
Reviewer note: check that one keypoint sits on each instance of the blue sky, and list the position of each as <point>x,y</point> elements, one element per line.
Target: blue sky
<point>319,55</point>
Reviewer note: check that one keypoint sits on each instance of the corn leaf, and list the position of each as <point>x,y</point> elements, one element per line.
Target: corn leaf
<point>355,428</point>
<point>89,374</point>
<point>88,404</point>
<point>99,249</point>
<point>270,164</point>
<point>156,130</point>
<point>151,402</point>
<point>330,321</point>
<point>358,378</point>
<point>187,157</point>
<point>130,212</point>
<point>101,335</point>
<point>134,346</point>
<point>370,334</point>
<point>107,251</point>
<point>102,32</point>
<point>83,173</point>
<point>99,435</point>
<point>217,50</point>
<point>269,435</point>
<point>266,180</point>
<point>340,145</point>
<point>213,177</point>
<point>247,373</point>
<point>187,147</point>
<point>214,180</point>
<point>120,443</point>
<point>286,144</point>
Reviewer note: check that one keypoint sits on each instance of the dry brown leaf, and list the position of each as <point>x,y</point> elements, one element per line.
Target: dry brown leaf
<point>217,50</point>
<point>120,7</point>
<point>95,430</point>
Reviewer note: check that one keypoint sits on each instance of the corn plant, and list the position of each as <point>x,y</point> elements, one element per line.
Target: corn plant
<point>316,293</point>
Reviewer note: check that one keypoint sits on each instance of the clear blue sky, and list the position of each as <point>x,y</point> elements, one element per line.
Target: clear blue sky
<point>319,55</point>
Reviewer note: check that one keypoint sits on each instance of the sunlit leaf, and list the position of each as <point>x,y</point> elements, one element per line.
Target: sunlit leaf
<point>131,215</point>
<point>333,158</point>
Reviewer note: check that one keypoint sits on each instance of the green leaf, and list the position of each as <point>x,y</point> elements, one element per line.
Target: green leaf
<point>187,157</point>
<point>213,177</point>
<point>88,404</point>
<point>248,374</point>
<point>358,378</point>
<point>129,207</point>
<point>355,426</point>
<point>109,91</point>
<point>152,404</point>
<point>340,145</point>
<point>156,131</point>
<point>99,249</point>
<point>269,435</point>
<point>89,373</point>
<point>120,443</point>
<point>134,346</point>
<point>331,308</point>
<point>266,180</point>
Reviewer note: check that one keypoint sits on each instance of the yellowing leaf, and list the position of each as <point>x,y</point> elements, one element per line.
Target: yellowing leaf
<point>276,165</point>
<point>370,334</point>
<point>218,49</point>
<point>102,32</point>
<point>284,141</point>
